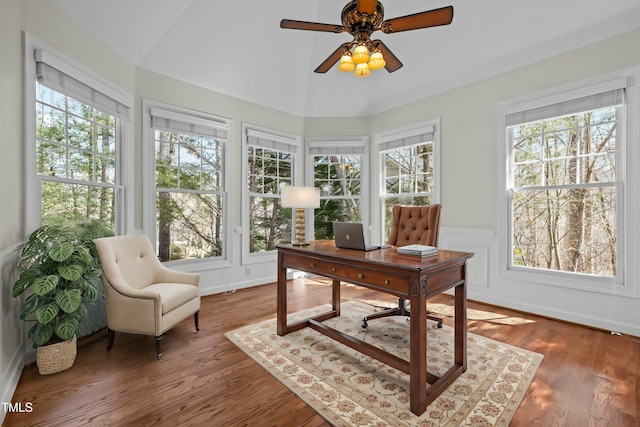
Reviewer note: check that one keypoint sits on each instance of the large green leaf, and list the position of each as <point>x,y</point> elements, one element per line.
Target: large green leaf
<point>71,272</point>
<point>28,306</point>
<point>23,282</point>
<point>47,313</point>
<point>90,291</point>
<point>80,313</point>
<point>84,254</point>
<point>41,334</point>
<point>69,300</point>
<point>60,251</point>
<point>66,327</point>
<point>45,284</point>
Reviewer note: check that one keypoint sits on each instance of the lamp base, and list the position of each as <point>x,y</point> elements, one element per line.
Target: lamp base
<point>300,229</point>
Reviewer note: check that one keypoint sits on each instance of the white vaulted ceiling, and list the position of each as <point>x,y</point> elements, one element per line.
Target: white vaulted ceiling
<point>236,47</point>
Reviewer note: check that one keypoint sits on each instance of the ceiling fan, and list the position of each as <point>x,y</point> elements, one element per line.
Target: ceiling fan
<point>361,18</point>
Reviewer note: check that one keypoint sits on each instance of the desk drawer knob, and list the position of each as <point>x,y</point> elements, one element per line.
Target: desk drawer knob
<point>386,281</point>
<point>313,265</point>
<point>360,276</point>
<point>333,269</point>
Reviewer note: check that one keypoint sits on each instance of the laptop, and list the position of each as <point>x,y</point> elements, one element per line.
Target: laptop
<point>350,235</point>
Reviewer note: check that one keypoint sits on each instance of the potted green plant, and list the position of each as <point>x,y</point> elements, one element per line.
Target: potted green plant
<point>58,268</point>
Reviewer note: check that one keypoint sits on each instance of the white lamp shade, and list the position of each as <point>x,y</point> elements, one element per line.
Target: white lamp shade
<point>300,197</point>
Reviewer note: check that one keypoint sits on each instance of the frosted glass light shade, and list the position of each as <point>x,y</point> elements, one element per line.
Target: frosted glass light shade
<point>346,64</point>
<point>361,54</point>
<point>362,70</point>
<point>300,197</point>
<point>376,61</point>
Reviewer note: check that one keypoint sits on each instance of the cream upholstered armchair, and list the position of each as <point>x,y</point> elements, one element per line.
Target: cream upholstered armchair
<point>412,225</point>
<point>142,295</point>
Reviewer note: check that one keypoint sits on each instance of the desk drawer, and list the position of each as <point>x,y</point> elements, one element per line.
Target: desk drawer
<point>376,279</point>
<point>347,273</point>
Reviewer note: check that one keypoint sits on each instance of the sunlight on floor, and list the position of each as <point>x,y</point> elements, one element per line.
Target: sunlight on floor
<point>443,309</point>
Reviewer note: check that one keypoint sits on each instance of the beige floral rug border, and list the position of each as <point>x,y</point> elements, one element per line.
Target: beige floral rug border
<point>350,389</point>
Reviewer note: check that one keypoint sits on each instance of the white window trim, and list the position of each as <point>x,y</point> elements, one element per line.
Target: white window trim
<point>148,181</point>
<point>339,143</point>
<point>432,125</point>
<point>126,150</point>
<point>280,137</point>
<point>629,158</point>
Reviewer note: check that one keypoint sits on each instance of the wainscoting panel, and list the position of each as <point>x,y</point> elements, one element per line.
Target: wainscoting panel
<point>478,241</point>
<point>13,338</point>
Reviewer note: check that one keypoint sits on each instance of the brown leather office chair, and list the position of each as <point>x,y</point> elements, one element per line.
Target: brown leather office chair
<point>411,225</point>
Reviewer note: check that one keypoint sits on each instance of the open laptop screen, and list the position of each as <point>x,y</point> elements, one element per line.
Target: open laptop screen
<point>350,235</point>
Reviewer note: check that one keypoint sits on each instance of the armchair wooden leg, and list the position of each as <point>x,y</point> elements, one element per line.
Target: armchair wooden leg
<point>158,350</point>
<point>196,318</point>
<point>111,335</point>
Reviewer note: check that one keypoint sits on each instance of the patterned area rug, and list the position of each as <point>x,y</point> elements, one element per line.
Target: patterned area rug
<point>350,389</point>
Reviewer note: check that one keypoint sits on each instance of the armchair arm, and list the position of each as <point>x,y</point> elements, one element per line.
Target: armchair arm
<point>119,285</point>
<point>165,274</point>
<point>132,310</point>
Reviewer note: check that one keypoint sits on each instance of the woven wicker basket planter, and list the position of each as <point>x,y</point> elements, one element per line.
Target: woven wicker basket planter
<point>58,357</point>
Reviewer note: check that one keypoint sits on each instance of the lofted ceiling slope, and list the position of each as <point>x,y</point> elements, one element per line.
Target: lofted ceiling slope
<point>237,47</point>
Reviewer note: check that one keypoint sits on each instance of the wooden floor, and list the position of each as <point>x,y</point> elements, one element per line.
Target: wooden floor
<point>587,378</point>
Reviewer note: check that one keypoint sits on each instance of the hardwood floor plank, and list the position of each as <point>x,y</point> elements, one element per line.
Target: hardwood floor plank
<point>587,377</point>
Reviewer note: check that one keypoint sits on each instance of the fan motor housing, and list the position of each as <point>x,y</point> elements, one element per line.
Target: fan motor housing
<point>355,21</point>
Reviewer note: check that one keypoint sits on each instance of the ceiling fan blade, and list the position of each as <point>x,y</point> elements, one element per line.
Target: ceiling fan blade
<point>332,59</point>
<point>393,63</point>
<point>311,26</point>
<point>429,18</point>
<point>367,6</point>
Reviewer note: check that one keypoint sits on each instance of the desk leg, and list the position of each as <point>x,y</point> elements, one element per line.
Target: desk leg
<point>281,309</point>
<point>418,348</point>
<point>460,333</point>
<point>336,296</point>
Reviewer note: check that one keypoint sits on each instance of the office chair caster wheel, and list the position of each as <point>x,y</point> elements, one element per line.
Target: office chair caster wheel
<point>364,323</point>
<point>439,325</point>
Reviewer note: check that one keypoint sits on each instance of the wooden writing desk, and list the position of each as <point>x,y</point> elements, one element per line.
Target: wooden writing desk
<point>404,276</point>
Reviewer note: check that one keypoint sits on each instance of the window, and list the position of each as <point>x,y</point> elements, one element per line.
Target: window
<point>339,172</point>
<point>409,163</point>
<point>79,140</point>
<point>189,183</point>
<point>563,175</point>
<point>567,184</point>
<point>270,164</point>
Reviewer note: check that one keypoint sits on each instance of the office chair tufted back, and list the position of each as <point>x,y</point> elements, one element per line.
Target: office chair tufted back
<point>415,225</point>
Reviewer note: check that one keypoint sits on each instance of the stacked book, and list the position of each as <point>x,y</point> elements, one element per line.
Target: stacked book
<point>418,250</point>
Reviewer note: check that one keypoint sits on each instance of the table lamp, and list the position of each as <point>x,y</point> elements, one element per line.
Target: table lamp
<point>300,198</point>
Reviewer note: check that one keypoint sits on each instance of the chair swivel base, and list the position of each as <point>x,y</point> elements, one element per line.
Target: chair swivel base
<point>401,310</point>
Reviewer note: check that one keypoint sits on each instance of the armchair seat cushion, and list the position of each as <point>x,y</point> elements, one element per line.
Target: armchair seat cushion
<point>173,295</point>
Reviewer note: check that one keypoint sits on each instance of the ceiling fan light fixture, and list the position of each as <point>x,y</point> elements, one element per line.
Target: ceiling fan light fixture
<point>346,63</point>
<point>376,61</point>
<point>362,70</point>
<point>361,54</point>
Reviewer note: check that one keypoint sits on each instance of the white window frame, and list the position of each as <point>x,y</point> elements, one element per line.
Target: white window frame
<point>628,157</point>
<point>149,183</point>
<point>350,145</point>
<point>282,139</point>
<point>124,152</point>
<point>404,137</point>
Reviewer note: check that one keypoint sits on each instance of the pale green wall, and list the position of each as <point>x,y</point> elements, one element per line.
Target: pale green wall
<point>153,86</point>
<point>468,114</point>
<point>46,22</point>
<point>344,126</point>
<point>469,122</point>
<point>11,106</point>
